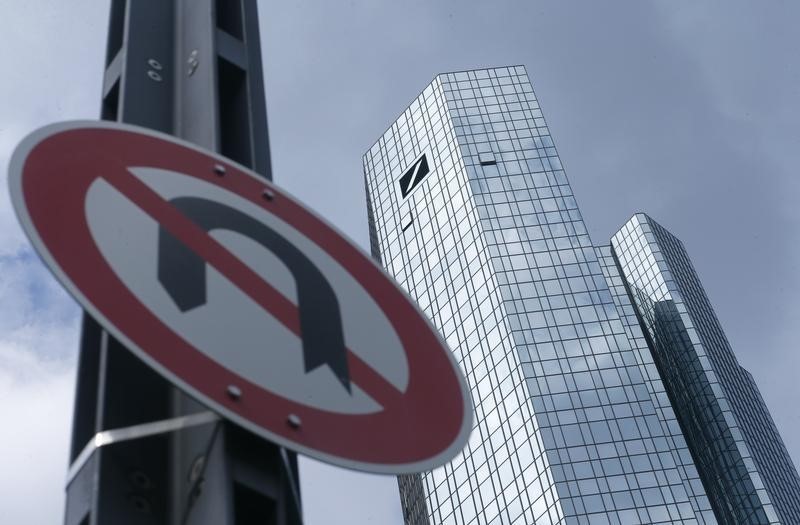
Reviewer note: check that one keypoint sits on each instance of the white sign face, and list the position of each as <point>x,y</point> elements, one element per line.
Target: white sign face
<point>241,296</point>
<point>278,365</point>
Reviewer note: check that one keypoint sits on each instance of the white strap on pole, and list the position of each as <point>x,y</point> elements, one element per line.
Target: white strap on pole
<point>116,435</point>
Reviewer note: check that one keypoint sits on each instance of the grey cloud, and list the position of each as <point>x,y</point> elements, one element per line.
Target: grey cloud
<point>686,111</point>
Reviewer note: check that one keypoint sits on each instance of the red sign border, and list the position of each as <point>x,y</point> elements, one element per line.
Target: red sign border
<point>49,174</point>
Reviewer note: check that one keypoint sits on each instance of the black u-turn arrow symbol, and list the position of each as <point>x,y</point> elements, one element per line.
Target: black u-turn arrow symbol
<point>182,273</point>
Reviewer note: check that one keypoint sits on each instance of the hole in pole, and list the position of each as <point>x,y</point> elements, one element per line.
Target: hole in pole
<point>234,117</point>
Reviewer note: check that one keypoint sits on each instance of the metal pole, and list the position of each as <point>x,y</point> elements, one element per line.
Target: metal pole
<point>191,68</point>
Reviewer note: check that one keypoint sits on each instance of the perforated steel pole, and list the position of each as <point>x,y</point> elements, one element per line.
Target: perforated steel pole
<point>191,68</point>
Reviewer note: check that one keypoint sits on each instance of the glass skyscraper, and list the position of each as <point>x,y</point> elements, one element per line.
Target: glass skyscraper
<point>470,210</point>
<point>748,472</point>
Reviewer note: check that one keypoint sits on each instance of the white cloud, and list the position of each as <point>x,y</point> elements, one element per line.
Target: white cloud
<point>38,342</point>
<point>37,314</point>
<point>35,408</point>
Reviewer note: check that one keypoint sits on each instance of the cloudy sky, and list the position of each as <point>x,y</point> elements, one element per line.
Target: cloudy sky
<point>687,111</point>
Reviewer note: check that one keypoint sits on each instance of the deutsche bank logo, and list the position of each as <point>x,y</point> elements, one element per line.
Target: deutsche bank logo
<point>413,176</point>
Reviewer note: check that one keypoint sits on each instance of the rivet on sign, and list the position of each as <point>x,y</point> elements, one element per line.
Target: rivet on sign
<point>219,169</point>
<point>294,421</point>
<point>234,392</point>
<point>154,75</point>
<point>268,194</point>
<point>155,64</point>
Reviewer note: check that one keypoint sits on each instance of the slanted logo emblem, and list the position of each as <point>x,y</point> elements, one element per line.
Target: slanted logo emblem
<point>413,176</point>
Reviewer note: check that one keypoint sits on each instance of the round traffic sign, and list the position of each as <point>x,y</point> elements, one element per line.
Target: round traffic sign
<point>241,296</point>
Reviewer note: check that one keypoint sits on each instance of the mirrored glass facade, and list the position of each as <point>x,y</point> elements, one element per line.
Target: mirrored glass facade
<point>604,389</point>
<point>487,237</point>
<point>746,468</point>
<point>680,450</point>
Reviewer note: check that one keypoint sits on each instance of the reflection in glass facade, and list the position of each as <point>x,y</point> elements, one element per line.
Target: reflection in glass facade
<point>678,445</point>
<point>470,210</point>
<point>744,464</point>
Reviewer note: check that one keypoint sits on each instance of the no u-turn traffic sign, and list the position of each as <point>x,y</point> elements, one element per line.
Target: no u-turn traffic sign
<point>241,296</point>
